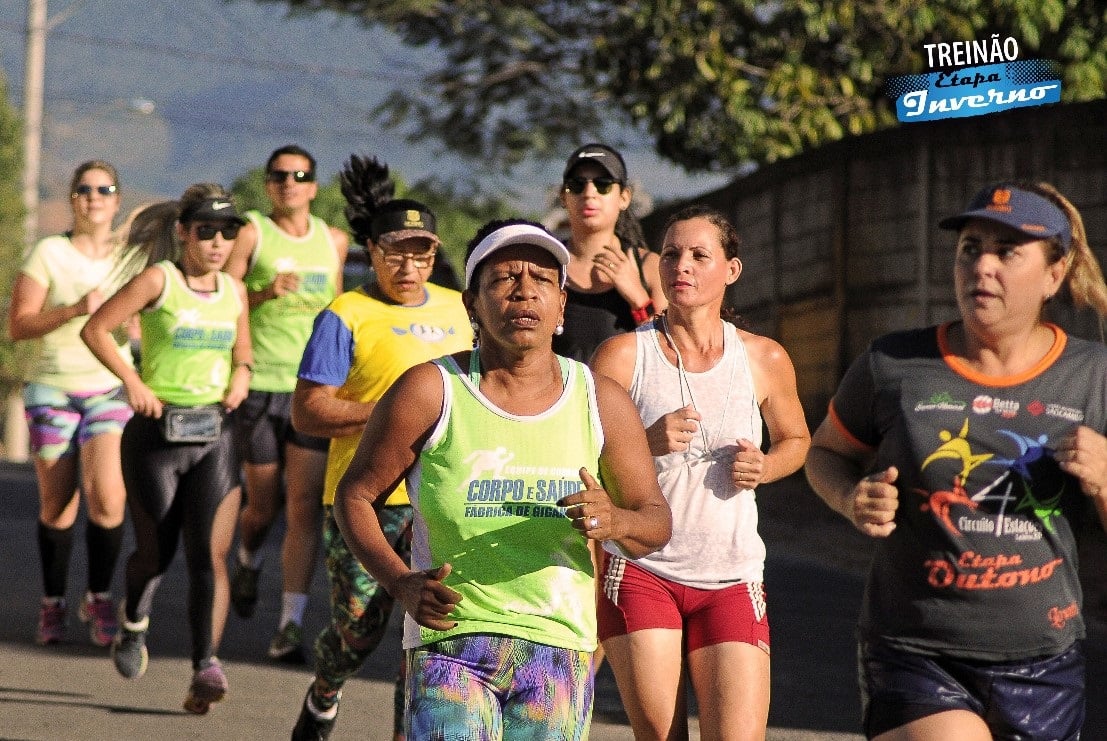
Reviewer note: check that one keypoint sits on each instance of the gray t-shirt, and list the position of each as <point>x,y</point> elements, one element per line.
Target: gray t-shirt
<point>982,563</point>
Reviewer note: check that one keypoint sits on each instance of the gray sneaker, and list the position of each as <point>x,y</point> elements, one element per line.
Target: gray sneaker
<point>128,650</point>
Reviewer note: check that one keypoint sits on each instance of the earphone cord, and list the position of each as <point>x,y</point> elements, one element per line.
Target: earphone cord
<point>684,382</point>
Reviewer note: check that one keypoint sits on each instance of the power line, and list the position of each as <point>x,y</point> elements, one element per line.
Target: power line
<point>190,119</point>
<point>315,70</point>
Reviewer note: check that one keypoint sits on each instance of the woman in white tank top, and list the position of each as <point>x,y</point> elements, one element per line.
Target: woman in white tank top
<point>703,389</point>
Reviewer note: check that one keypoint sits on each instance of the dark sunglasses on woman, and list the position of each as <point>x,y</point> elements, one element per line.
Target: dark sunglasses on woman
<point>85,189</point>
<point>576,185</point>
<point>208,231</point>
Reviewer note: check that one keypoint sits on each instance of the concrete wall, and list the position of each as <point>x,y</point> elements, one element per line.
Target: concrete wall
<point>841,244</point>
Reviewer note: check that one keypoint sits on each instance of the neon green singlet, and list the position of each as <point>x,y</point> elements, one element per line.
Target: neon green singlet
<point>187,340</point>
<point>280,327</point>
<point>485,489</point>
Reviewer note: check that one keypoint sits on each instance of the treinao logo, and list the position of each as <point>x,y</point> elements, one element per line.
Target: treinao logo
<point>974,77</point>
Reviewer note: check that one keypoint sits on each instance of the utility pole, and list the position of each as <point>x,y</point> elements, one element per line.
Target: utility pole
<point>33,74</point>
<point>15,431</point>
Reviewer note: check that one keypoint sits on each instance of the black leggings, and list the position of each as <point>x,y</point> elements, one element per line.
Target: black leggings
<point>174,488</point>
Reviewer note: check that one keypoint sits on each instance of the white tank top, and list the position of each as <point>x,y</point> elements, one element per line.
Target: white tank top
<point>715,542</point>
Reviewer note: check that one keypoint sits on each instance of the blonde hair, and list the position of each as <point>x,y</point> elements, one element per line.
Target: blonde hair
<point>84,167</point>
<point>1083,274</point>
<point>148,234</point>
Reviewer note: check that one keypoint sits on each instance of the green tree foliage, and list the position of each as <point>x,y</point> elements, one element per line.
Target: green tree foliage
<point>715,83</point>
<point>11,232</point>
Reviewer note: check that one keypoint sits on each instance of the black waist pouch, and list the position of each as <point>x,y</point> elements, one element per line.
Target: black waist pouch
<point>191,424</point>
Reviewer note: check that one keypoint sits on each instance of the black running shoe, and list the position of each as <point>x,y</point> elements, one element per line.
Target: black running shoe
<point>244,589</point>
<point>309,726</point>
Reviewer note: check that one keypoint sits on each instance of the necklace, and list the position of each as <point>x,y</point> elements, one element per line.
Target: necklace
<point>189,286</point>
<point>684,383</point>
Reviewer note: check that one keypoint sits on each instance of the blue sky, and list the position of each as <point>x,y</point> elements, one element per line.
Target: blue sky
<point>175,93</point>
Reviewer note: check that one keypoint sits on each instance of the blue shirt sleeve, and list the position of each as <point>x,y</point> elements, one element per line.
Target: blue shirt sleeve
<point>329,353</point>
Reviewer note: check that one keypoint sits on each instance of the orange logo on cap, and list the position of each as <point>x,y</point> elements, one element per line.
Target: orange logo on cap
<point>1001,199</point>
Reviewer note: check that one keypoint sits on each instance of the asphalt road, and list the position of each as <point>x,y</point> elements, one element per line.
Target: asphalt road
<point>72,691</point>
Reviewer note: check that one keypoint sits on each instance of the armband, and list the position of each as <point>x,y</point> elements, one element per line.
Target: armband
<point>643,313</point>
<point>244,364</point>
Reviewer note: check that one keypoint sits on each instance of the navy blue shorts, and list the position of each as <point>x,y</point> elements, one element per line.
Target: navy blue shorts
<point>1035,698</point>
<point>262,426</point>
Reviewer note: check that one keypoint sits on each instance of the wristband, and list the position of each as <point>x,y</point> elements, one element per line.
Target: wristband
<point>643,313</point>
<point>244,364</point>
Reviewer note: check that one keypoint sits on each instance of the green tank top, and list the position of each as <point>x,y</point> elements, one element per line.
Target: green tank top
<point>187,339</point>
<point>280,327</point>
<point>485,489</point>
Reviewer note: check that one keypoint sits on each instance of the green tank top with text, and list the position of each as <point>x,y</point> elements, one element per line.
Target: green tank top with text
<point>280,327</point>
<point>187,339</point>
<point>485,489</point>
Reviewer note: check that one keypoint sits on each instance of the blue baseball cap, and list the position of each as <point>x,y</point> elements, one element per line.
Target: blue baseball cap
<point>1024,211</point>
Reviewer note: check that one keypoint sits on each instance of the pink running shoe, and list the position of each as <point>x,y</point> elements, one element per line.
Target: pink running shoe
<point>51,622</point>
<point>99,612</point>
<point>209,684</point>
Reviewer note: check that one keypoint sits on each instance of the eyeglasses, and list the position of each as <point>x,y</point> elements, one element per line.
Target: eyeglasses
<point>208,231</point>
<point>420,260</point>
<point>603,185</point>
<point>85,189</point>
<point>299,176</point>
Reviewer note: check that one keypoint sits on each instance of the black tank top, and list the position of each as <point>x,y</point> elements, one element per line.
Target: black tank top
<point>590,318</point>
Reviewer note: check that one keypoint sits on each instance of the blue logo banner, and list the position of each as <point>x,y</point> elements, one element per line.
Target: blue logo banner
<point>975,91</point>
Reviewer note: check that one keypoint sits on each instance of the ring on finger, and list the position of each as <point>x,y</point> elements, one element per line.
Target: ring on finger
<point>593,522</point>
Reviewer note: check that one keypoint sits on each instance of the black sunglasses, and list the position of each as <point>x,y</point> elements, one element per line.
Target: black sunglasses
<point>578,184</point>
<point>300,176</point>
<point>208,231</point>
<point>85,189</point>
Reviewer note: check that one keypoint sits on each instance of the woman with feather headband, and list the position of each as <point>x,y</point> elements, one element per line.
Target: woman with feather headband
<point>360,344</point>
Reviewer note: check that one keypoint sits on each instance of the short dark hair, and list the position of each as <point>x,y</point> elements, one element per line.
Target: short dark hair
<point>289,149</point>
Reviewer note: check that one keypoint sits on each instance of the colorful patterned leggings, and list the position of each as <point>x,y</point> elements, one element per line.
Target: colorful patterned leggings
<point>359,608</point>
<point>490,687</point>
